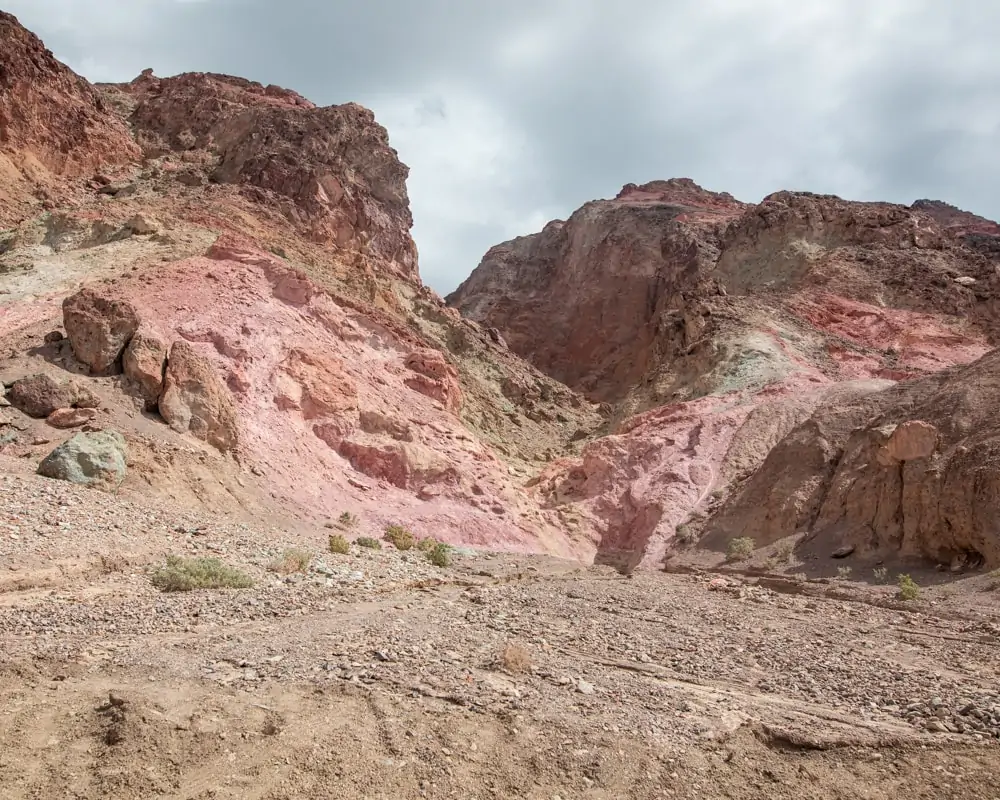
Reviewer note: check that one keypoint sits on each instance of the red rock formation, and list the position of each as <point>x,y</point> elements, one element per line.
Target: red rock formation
<point>330,170</point>
<point>53,124</point>
<point>584,300</point>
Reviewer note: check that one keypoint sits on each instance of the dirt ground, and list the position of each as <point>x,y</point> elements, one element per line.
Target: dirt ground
<point>378,675</point>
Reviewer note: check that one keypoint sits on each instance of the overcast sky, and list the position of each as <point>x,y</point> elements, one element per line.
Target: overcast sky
<point>513,112</point>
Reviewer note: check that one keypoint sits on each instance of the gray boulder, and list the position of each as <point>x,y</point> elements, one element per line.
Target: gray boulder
<point>96,458</point>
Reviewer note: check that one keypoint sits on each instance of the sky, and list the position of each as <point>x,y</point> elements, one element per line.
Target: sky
<point>510,113</point>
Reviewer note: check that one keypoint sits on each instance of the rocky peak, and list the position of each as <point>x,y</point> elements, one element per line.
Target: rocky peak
<point>53,124</point>
<point>330,170</point>
<point>680,192</point>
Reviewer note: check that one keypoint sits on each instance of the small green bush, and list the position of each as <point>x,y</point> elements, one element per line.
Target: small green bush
<point>186,574</point>
<point>880,574</point>
<point>740,549</point>
<point>426,545</point>
<point>908,589</point>
<point>401,538</point>
<point>347,519</point>
<point>290,561</point>
<point>440,556</point>
<point>844,572</point>
<point>368,542</point>
<point>339,545</point>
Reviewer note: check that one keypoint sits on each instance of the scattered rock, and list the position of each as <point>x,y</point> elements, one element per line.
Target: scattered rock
<point>97,458</point>
<point>196,400</point>
<point>843,552</point>
<point>98,328</point>
<point>40,395</point>
<point>54,336</point>
<point>70,417</point>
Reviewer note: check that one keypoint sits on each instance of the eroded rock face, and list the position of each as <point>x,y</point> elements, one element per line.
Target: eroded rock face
<point>99,327</point>
<point>40,395</point>
<point>51,117</point>
<point>316,384</point>
<point>196,401</point>
<point>583,299</point>
<point>92,459</point>
<point>668,290</point>
<point>435,378</point>
<point>867,473</point>
<point>331,170</point>
<point>144,362</point>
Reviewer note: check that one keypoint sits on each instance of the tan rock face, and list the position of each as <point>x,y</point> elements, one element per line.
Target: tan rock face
<point>865,472</point>
<point>98,327</point>
<point>143,363</point>
<point>196,400</point>
<point>909,441</point>
<point>41,395</point>
<point>316,384</point>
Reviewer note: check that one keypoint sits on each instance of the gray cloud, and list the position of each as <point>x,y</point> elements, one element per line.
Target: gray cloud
<point>513,113</point>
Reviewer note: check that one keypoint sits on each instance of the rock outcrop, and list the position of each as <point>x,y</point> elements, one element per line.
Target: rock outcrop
<point>586,299</point>
<point>913,470</point>
<point>671,292</point>
<point>53,124</point>
<point>195,400</point>
<point>92,459</point>
<point>330,170</point>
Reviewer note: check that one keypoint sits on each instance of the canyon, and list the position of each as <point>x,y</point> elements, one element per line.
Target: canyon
<point>676,451</point>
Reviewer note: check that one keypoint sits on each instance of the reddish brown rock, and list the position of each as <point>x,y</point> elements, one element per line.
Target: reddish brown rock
<point>583,299</point>
<point>196,400</point>
<point>41,395</point>
<point>330,170</point>
<point>865,473</point>
<point>144,362</point>
<point>435,378</point>
<point>407,465</point>
<point>53,124</point>
<point>70,417</point>
<point>98,327</point>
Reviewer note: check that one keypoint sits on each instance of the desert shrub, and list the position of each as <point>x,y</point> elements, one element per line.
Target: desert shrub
<point>339,545</point>
<point>684,533</point>
<point>400,538</point>
<point>347,519</point>
<point>368,542</point>
<point>908,589</point>
<point>426,545</point>
<point>440,556</point>
<point>185,574</point>
<point>784,550</point>
<point>880,574</point>
<point>844,572</point>
<point>740,549</point>
<point>290,561</point>
<point>515,658</point>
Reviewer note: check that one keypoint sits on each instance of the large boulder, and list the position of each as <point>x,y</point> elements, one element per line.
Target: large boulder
<point>39,395</point>
<point>97,458</point>
<point>196,400</point>
<point>144,362</point>
<point>98,328</point>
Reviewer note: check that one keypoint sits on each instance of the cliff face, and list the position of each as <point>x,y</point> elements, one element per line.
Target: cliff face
<point>53,125</point>
<point>584,299</point>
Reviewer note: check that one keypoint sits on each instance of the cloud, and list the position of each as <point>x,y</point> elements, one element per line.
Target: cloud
<point>513,113</point>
